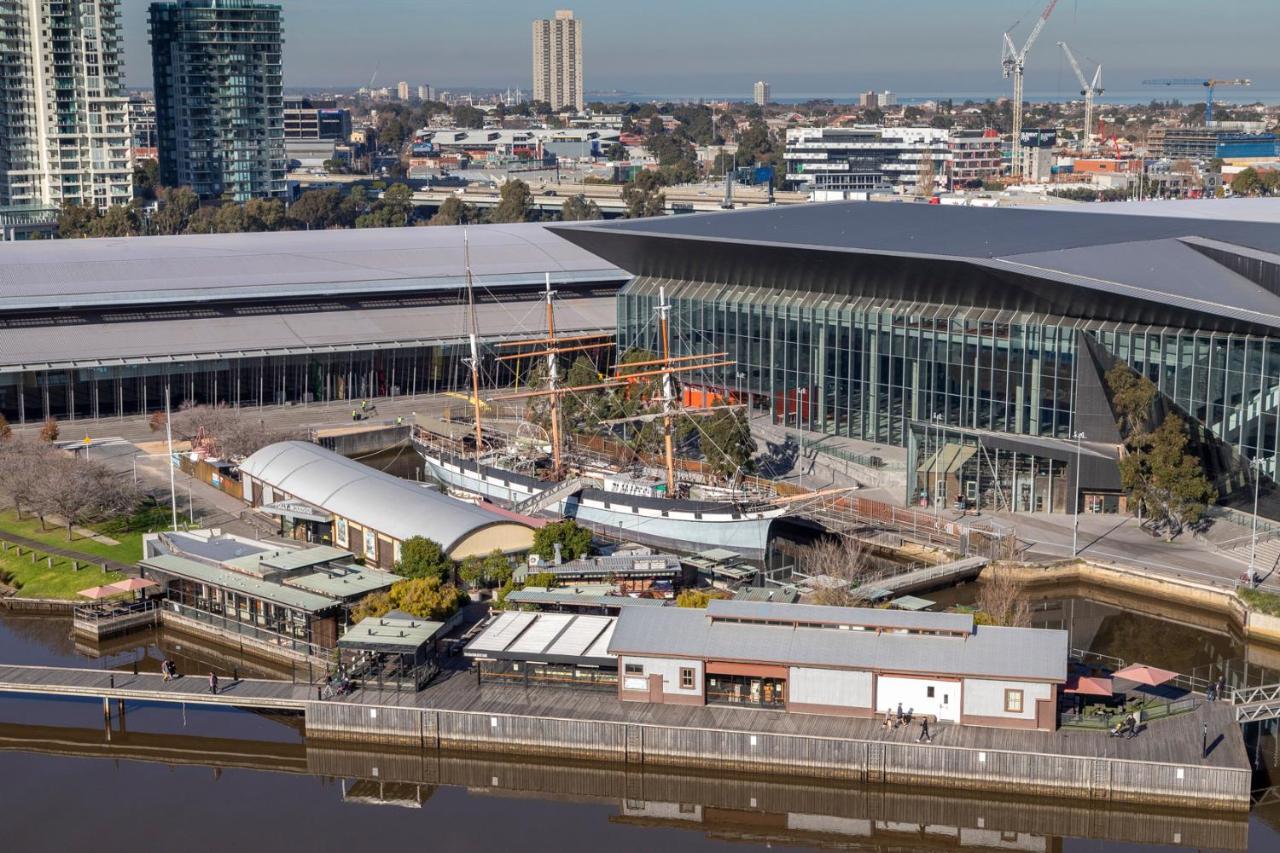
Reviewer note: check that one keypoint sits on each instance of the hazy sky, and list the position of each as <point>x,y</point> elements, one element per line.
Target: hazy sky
<point>800,46</point>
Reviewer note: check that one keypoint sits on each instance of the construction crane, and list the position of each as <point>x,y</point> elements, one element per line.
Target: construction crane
<point>1089,89</point>
<point>1014,61</point>
<point>1209,86</point>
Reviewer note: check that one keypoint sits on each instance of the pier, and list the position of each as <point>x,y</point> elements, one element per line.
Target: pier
<point>1163,765</point>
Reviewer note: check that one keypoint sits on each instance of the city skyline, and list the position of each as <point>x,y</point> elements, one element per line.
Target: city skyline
<point>711,53</point>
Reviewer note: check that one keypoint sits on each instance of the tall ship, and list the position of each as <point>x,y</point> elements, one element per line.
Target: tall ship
<point>532,470</point>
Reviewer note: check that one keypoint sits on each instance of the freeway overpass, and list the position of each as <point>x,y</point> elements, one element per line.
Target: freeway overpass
<point>548,196</point>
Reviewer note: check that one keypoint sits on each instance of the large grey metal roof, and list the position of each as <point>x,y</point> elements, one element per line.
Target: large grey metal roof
<point>1150,259</point>
<point>250,585</point>
<point>990,652</point>
<point>551,637</point>
<point>223,267</point>
<point>147,339</point>
<point>861,617</point>
<point>386,503</point>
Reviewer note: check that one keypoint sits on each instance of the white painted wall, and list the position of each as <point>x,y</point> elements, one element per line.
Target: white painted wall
<point>668,668</point>
<point>247,491</point>
<point>913,693</point>
<point>829,687</point>
<point>984,698</point>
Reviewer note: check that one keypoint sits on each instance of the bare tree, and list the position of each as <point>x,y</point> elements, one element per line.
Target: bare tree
<point>835,556</point>
<point>80,490</point>
<point>23,466</point>
<point>222,431</point>
<point>1002,598</point>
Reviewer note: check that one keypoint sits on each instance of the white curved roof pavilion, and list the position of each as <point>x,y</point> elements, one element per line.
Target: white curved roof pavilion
<point>375,500</point>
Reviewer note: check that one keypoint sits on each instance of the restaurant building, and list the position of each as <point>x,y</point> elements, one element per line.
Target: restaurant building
<point>855,662</point>
<point>297,599</point>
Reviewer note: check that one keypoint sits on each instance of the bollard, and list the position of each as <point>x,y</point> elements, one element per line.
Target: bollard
<point>48,561</point>
<point>104,567</point>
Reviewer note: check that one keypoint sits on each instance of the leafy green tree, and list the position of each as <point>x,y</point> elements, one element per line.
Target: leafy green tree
<point>203,221</point>
<point>454,212</point>
<point>1168,483</point>
<point>264,214</point>
<point>1132,398</point>
<point>76,221</point>
<point>656,125</point>
<point>542,580</point>
<point>698,598</point>
<point>1246,182</point>
<point>574,541</point>
<point>146,179</point>
<point>426,598</point>
<point>315,209</point>
<point>177,206</point>
<point>423,558</point>
<point>493,569</point>
<point>727,443</point>
<point>468,117</point>
<point>643,196</point>
<point>336,166</point>
<point>616,151</point>
<point>514,200</point>
<point>578,207</point>
<point>231,219</point>
<point>582,410</point>
<point>118,221</point>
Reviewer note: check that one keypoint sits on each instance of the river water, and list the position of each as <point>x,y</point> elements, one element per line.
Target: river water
<point>200,779</point>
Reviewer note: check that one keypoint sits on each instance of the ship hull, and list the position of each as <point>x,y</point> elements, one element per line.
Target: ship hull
<point>619,516</point>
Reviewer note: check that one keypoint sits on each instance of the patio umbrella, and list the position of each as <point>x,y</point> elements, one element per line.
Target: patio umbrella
<point>131,585</point>
<point>1085,685</point>
<point>98,592</point>
<point>1148,675</point>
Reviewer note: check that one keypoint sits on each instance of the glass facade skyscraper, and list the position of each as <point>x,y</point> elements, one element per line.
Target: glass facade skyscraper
<point>219,97</point>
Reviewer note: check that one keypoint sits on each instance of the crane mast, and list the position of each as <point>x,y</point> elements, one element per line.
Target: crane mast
<point>1089,90</point>
<point>1014,62</point>
<point>1209,85</point>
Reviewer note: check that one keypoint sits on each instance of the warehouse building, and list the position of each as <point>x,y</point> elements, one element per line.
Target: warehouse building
<point>324,497</point>
<point>107,327</point>
<point>846,661</point>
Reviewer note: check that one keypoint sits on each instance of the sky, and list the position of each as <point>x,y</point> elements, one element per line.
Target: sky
<point>802,47</point>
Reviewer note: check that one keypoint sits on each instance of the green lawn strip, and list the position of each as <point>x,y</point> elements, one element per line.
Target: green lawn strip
<point>127,531</point>
<point>38,580</point>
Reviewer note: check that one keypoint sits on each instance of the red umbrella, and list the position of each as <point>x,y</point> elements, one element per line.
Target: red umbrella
<point>1085,685</point>
<point>1142,674</point>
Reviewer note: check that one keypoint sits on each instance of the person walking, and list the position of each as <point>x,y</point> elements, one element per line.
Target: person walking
<point>213,682</point>
<point>164,670</point>
<point>1222,686</point>
<point>925,737</point>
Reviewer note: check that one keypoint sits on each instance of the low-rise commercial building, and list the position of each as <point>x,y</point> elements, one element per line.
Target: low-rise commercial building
<point>852,161</point>
<point>839,660</point>
<point>295,598</point>
<point>322,496</point>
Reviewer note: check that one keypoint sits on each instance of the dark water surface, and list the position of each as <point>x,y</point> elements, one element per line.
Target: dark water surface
<point>169,778</point>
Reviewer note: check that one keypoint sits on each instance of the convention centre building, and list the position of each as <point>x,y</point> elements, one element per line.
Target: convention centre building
<point>104,328</point>
<point>978,339</point>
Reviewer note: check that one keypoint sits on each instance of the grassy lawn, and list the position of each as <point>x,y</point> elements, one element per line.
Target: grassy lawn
<point>127,531</point>
<point>37,580</point>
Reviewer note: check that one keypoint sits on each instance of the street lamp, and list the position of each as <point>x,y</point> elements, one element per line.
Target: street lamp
<point>937,419</point>
<point>1075,524</point>
<point>1255,465</point>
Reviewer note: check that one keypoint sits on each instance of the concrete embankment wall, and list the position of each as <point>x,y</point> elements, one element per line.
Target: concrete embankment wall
<point>1094,778</point>
<point>1201,601</point>
<point>354,442</point>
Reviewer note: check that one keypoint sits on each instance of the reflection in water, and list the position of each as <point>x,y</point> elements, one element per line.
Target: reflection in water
<point>621,798</point>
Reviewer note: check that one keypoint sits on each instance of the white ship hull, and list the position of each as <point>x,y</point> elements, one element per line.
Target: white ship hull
<point>682,525</point>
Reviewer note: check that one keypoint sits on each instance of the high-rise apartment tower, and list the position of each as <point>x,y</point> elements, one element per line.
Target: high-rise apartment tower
<point>557,61</point>
<point>761,93</point>
<point>64,129</point>
<point>219,97</point>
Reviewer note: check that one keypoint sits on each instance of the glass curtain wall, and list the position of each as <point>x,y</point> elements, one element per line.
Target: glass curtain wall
<point>876,370</point>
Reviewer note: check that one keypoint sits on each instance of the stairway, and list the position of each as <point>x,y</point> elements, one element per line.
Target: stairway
<point>552,496</point>
<point>1266,558</point>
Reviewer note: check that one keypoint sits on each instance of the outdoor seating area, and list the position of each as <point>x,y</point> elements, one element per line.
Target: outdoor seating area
<point>1124,701</point>
<point>392,652</point>
<point>114,608</point>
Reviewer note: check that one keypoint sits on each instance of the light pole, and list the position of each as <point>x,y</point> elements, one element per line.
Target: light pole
<point>1256,466</point>
<point>1075,523</point>
<point>937,419</point>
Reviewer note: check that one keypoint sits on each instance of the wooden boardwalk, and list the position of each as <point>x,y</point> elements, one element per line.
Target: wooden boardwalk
<point>1162,765</point>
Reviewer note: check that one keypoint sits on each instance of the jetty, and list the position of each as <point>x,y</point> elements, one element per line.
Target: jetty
<point>1165,765</point>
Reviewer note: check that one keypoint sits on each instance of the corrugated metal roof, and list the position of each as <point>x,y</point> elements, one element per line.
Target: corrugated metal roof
<point>991,652</point>
<point>503,631</point>
<point>200,267</point>
<point>147,339</point>
<point>386,503</point>
<point>537,596</point>
<point>865,617</point>
<point>239,582</point>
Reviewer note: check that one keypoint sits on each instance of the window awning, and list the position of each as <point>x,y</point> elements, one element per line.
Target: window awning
<point>948,460</point>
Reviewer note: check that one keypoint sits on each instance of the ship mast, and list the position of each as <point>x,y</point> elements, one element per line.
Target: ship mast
<point>668,391</point>
<point>475,346</point>
<point>553,374</point>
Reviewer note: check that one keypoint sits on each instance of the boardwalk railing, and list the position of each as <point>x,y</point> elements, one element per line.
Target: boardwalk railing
<point>1190,683</point>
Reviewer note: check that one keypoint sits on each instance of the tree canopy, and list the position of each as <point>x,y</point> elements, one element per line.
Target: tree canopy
<point>574,541</point>
<point>426,598</point>
<point>423,558</point>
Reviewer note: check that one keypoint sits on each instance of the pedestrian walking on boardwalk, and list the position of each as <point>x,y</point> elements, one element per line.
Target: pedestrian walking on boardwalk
<point>925,737</point>
<point>213,683</point>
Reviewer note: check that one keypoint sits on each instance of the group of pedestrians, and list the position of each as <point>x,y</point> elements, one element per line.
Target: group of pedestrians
<point>1217,689</point>
<point>169,672</point>
<point>901,718</point>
